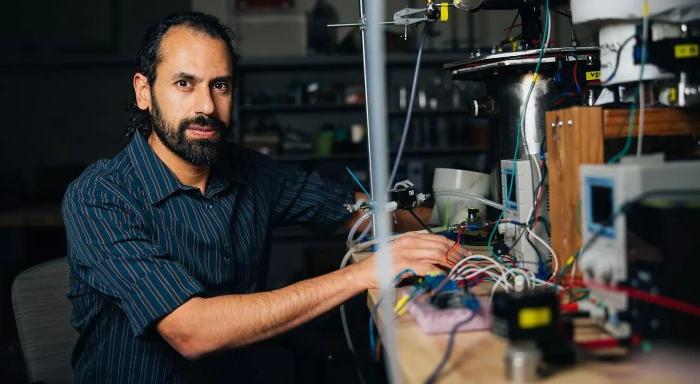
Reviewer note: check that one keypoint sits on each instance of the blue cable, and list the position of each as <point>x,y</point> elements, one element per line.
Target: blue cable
<point>357,181</point>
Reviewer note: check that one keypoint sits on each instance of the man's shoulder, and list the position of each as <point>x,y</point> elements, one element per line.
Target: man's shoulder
<point>104,176</point>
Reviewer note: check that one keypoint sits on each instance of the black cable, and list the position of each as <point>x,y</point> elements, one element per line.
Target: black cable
<point>427,228</point>
<point>561,12</point>
<point>450,344</point>
<point>537,251</point>
<point>574,38</point>
<point>545,222</point>
<point>512,25</point>
<point>617,58</point>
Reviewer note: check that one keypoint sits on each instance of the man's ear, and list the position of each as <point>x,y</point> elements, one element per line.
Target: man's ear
<point>142,91</point>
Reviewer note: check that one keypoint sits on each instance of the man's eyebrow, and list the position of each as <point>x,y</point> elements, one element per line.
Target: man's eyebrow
<point>186,76</point>
<point>220,79</point>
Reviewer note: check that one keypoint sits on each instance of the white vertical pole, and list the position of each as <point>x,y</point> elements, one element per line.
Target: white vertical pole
<point>375,56</point>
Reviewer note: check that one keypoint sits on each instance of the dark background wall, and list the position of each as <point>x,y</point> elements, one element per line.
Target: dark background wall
<point>66,67</point>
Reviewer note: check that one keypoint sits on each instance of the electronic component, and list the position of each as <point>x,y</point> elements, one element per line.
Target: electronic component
<point>604,190</point>
<point>442,311</point>
<point>474,224</point>
<point>530,321</point>
<point>518,206</point>
<point>405,196</point>
<point>524,316</point>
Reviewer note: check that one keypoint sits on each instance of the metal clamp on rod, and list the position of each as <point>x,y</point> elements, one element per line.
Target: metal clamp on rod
<point>407,16</point>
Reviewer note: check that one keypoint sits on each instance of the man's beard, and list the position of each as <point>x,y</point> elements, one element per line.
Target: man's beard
<point>195,151</point>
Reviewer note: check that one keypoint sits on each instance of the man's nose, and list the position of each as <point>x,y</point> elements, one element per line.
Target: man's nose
<point>204,103</point>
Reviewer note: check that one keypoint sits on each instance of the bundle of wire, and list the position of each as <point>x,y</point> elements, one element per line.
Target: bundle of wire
<point>479,268</point>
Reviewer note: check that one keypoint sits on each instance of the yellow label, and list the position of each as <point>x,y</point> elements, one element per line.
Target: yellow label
<point>592,75</point>
<point>444,15</point>
<point>529,318</point>
<point>684,51</point>
<point>672,95</point>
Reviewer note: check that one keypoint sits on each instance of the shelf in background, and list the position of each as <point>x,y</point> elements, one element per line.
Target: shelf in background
<point>412,152</point>
<point>345,61</point>
<point>291,108</point>
<point>304,108</point>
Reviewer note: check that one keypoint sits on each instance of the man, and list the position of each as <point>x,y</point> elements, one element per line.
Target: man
<point>167,240</point>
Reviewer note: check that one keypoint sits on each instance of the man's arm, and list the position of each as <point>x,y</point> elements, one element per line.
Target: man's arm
<point>201,326</point>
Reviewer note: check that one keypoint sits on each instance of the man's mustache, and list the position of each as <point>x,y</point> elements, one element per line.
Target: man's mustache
<point>204,121</point>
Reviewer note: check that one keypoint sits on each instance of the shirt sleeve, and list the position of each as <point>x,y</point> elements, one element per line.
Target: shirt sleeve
<point>111,249</point>
<point>304,198</point>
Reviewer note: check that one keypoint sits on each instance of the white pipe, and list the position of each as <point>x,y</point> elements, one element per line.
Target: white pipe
<point>356,226</point>
<point>468,196</point>
<point>363,21</point>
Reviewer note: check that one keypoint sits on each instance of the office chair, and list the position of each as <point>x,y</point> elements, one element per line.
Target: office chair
<point>42,313</point>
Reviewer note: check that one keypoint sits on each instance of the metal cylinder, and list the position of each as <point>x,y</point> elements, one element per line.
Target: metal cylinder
<point>522,362</point>
<point>510,92</point>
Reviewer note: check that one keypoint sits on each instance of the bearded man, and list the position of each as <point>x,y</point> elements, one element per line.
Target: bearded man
<point>168,241</point>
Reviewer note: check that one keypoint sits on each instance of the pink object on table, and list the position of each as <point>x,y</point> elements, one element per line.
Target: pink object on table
<point>434,320</point>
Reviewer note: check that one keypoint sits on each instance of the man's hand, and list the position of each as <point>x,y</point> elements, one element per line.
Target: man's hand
<point>421,252</point>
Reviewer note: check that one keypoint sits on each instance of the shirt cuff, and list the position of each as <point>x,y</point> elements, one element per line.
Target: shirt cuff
<point>157,294</point>
<point>333,211</point>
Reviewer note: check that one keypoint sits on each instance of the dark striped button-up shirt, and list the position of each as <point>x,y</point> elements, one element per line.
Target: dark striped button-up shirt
<point>140,244</point>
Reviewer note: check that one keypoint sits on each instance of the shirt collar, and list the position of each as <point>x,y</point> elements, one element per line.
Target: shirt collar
<point>160,182</point>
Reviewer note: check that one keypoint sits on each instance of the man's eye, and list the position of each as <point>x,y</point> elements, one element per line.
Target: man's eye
<point>183,83</point>
<point>221,86</point>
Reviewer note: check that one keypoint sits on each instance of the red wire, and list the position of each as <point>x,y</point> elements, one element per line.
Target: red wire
<point>660,300</point>
<point>602,343</point>
<point>510,29</point>
<point>459,237</point>
<point>578,88</point>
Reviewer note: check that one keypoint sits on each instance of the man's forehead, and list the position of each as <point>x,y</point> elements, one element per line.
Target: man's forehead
<point>186,49</point>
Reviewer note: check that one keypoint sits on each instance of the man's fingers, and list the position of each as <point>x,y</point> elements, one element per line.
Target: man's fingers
<point>421,255</point>
<point>426,269</point>
<point>416,239</point>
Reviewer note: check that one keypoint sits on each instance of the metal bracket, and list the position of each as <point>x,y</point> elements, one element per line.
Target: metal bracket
<point>403,17</point>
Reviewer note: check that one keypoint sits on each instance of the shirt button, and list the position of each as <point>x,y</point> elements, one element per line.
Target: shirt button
<point>209,206</point>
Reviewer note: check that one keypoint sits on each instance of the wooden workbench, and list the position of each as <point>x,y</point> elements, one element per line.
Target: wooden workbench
<point>478,357</point>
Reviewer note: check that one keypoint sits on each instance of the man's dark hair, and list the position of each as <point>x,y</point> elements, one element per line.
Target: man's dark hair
<point>149,55</point>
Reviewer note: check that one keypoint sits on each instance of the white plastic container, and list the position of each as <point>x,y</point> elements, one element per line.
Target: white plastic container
<point>452,188</point>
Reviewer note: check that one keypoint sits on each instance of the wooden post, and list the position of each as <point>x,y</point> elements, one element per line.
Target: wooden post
<point>574,137</point>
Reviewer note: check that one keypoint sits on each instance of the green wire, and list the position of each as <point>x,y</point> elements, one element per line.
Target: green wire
<point>633,111</point>
<point>520,122</point>
<point>628,141</point>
